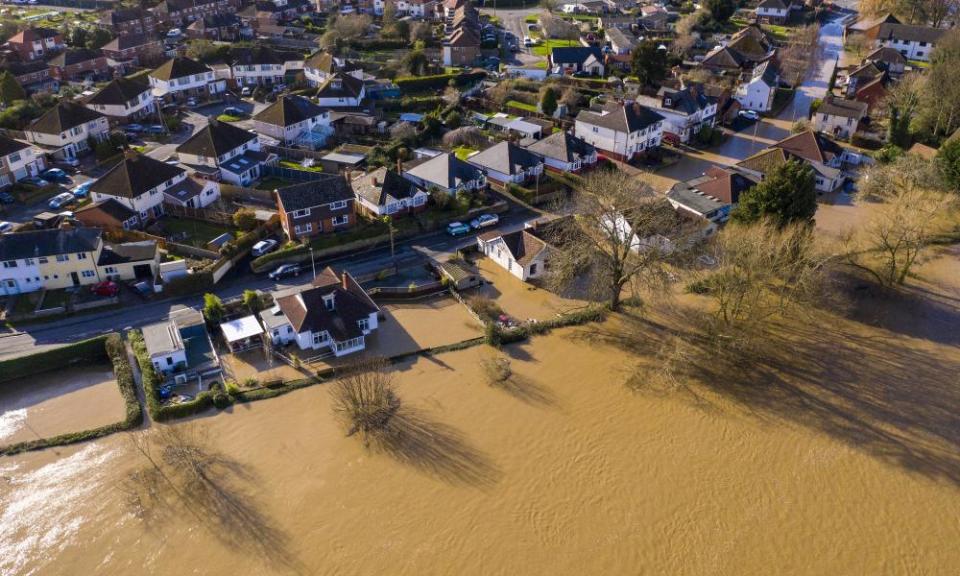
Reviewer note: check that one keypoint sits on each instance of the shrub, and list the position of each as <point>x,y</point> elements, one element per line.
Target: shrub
<point>245,219</point>
<point>213,309</point>
<point>485,308</point>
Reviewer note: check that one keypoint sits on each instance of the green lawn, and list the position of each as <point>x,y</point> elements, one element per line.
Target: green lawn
<point>521,105</point>
<point>273,183</point>
<point>297,166</point>
<point>918,64</point>
<point>463,152</point>
<point>228,118</point>
<point>547,46</point>
<point>361,231</point>
<point>531,19</point>
<point>779,33</point>
<point>198,232</point>
<point>582,17</point>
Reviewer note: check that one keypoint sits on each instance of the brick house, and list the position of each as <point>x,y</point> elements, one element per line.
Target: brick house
<point>33,76</point>
<point>137,49</point>
<point>79,64</point>
<point>36,43</point>
<point>216,27</point>
<point>183,12</point>
<point>129,21</point>
<point>318,207</point>
<point>108,214</point>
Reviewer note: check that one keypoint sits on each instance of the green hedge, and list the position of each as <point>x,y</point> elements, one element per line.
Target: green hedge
<point>437,82</point>
<point>110,346</point>
<point>497,336</point>
<point>84,352</point>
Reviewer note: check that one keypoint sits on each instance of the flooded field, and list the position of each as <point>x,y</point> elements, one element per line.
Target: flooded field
<point>59,402</point>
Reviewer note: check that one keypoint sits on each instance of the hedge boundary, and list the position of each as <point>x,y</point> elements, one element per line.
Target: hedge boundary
<point>88,351</point>
<point>114,349</point>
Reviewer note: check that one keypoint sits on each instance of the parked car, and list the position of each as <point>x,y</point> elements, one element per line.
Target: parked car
<point>72,162</point>
<point>264,246</point>
<point>82,190</point>
<point>234,111</point>
<point>457,229</point>
<point>55,175</point>
<point>34,181</point>
<point>7,198</point>
<point>107,288</point>
<point>484,220</point>
<point>67,214</point>
<point>749,115</point>
<point>61,200</point>
<point>284,271</point>
<point>527,41</point>
<point>6,227</point>
<point>174,33</point>
<point>133,128</point>
<point>246,91</point>
<point>154,129</point>
<point>191,102</point>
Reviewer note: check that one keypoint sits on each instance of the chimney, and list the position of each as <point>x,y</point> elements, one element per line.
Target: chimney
<point>399,165</point>
<point>344,282</point>
<point>376,181</point>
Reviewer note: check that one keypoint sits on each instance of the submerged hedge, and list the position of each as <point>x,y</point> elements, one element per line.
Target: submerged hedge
<point>110,346</point>
<point>89,351</point>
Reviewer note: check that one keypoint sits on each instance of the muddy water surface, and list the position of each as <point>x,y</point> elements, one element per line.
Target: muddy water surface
<point>566,471</point>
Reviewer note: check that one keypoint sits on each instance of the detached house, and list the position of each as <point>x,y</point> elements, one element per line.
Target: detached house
<point>774,11</point>
<point>124,99</point>
<point>341,90</point>
<point>825,157</point>
<point>448,173</point>
<point>221,145</point>
<point>36,43</point>
<point>508,163</point>
<point>79,65</point>
<point>622,42</point>
<point>746,49</point>
<point>257,66</point>
<point>333,317</point>
<point>66,130</point>
<point>18,160</point>
<point>139,182</point>
<point>134,50</point>
<point>317,207</point>
<point>293,118</point>
<point>759,92</point>
<point>520,253</point>
<point>576,59</point>
<point>839,117</point>
<point>913,42</point>
<point>386,193</point>
<point>713,195</point>
<point>621,131</point>
<point>685,112</point>
<point>564,152</point>
<point>180,78</point>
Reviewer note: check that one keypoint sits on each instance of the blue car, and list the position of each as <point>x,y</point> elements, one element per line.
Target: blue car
<point>82,190</point>
<point>55,175</point>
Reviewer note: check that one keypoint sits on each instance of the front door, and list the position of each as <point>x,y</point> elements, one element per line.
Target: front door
<point>76,278</point>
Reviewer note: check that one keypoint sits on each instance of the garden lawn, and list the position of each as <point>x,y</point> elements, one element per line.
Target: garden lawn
<point>297,166</point>
<point>547,46</point>
<point>198,232</point>
<point>273,183</point>
<point>228,118</point>
<point>463,152</point>
<point>522,105</point>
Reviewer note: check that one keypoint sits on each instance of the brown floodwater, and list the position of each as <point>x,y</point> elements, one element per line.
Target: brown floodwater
<point>58,402</point>
<point>844,461</point>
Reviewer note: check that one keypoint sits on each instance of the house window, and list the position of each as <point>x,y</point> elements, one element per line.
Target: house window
<point>339,205</point>
<point>88,273</point>
<point>300,213</point>
<point>110,270</point>
<point>82,256</point>
<point>62,257</point>
<point>364,324</point>
<point>10,264</point>
<point>303,229</point>
<point>533,269</point>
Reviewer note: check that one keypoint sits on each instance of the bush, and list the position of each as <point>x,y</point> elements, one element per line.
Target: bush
<point>245,219</point>
<point>213,310</point>
<point>412,84</point>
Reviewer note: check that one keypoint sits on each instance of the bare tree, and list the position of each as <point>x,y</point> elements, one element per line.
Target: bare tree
<point>465,136</point>
<point>404,132</point>
<point>364,398</point>
<point>800,54</point>
<point>622,238</point>
<point>686,32</point>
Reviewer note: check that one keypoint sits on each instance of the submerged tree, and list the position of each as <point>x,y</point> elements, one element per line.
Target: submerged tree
<point>788,194</point>
<point>364,398</point>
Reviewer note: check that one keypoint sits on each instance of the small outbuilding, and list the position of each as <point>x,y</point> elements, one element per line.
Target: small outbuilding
<point>242,334</point>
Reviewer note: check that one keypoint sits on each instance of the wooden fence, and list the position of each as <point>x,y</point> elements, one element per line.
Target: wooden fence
<point>244,195</point>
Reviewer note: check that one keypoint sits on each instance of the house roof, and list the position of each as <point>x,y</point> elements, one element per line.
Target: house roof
<point>184,190</point>
<point>220,20</point>
<point>383,186</point>
<point>32,34</point>
<point>36,243</point>
<point>810,146</point>
<point>127,253</point>
<point>867,23</point>
<point>462,36</point>
<point>688,100</point>
<point>315,193</point>
<point>631,117</point>
<point>322,61</point>
<point>687,195</point>
<point>910,33</point>
<point>622,38</point>
<point>724,57</point>
<point>506,158</point>
<point>866,70</point>
<point>768,159</point>
<point>62,117</point>
<point>116,210</point>
<point>120,91</point>
<point>134,175</point>
<point>340,85</point>
<point>241,328</point>
<point>574,54</point>
<point>243,162</point>
<point>445,171</point>
<point>72,56</point>
<point>772,5</point>
<point>289,110</point>
<point>523,246</point>
<point>257,55</point>
<point>562,146</point>
<point>179,67</point>
<point>716,186</point>
<point>767,73</point>
<point>922,150</point>
<point>9,145</point>
<point>216,139</point>
<point>127,41</point>
<point>127,15</point>
<point>833,106</point>
<point>887,55</point>
<point>307,310</point>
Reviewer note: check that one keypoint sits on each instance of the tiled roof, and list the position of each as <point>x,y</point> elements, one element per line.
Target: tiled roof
<point>120,91</point>
<point>73,56</point>
<point>562,146</point>
<point>36,243</point>
<point>289,110</point>
<point>179,67</point>
<point>445,171</point>
<point>216,139</point>
<point>9,146</point>
<point>126,253</point>
<point>631,117</point>
<point>307,310</point>
<point>506,158</point>
<point>383,186</point>
<point>833,106</point>
<point>62,117</point>
<point>134,175</point>
<point>910,33</point>
<point>810,146</point>
<point>574,54</point>
<point>523,245</point>
<point>116,210</point>
<point>315,193</point>
<point>32,34</point>
<point>340,86</point>
<point>127,41</point>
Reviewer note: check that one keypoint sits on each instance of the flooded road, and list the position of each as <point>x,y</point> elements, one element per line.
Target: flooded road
<point>567,471</point>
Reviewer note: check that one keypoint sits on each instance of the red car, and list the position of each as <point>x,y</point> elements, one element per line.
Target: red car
<point>107,288</point>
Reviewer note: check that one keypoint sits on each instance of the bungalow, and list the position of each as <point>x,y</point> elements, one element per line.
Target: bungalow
<point>448,173</point>
<point>713,195</point>
<point>79,65</point>
<point>179,344</point>
<point>18,160</point>
<point>235,151</point>
<point>565,152</point>
<point>507,162</point>
<point>124,99</point>
<point>140,183</point>
<point>61,258</point>
<point>888,59</point>
<point>622,42</point>
<point>576,59</point>
<point>317,207</point>
<point>386,193</point>
<point>521,253</point>
<point>108,214</point>
<point>341,90</point>
<point>292,118</point>
<point>839,117</point>
<point>67,128</point>
<point>180,78</point>
<point>333,317</point>
<point>654,17</point>
<point>135,49</point>
<point>820,153</point>
<point>685,112</point>
<point>759,92</point>
<point>621,130</point>
<point>36,43</point>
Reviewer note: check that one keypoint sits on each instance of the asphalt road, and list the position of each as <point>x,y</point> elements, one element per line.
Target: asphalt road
<point>512,21</point>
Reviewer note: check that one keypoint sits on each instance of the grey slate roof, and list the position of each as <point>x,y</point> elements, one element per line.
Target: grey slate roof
<point>216,139</point>
<point>506,158</point>
<point>134,175</point>
<point>631,117</point>
<point>574,54</point>
<point>383,186</point>
<point>445,171</point>
<point>120,91</point>
<point>36,243</point>
<point>179,67</point>
<point>289,110</point>
<point>127,253</point>
<point>562,146</point>
<point>843,108</point>
<point>315,193</point>
<point>72,56</point>
<point>62,117</point>
<point>688,196</point>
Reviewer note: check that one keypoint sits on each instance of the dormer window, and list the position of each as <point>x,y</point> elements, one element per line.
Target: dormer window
<point>328,301</point>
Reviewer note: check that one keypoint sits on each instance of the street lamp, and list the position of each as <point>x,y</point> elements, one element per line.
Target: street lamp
<point>313,264</point>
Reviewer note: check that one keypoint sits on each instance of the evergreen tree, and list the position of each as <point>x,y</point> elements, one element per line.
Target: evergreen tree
<point>948,160</point>
<point>10,89</point>
<point>548,101</point>
<point>787,194</point>
<point>649,63</point>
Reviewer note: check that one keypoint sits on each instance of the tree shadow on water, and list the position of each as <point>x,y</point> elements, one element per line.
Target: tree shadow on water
<point>184,477</point>
<point>415,439</point>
